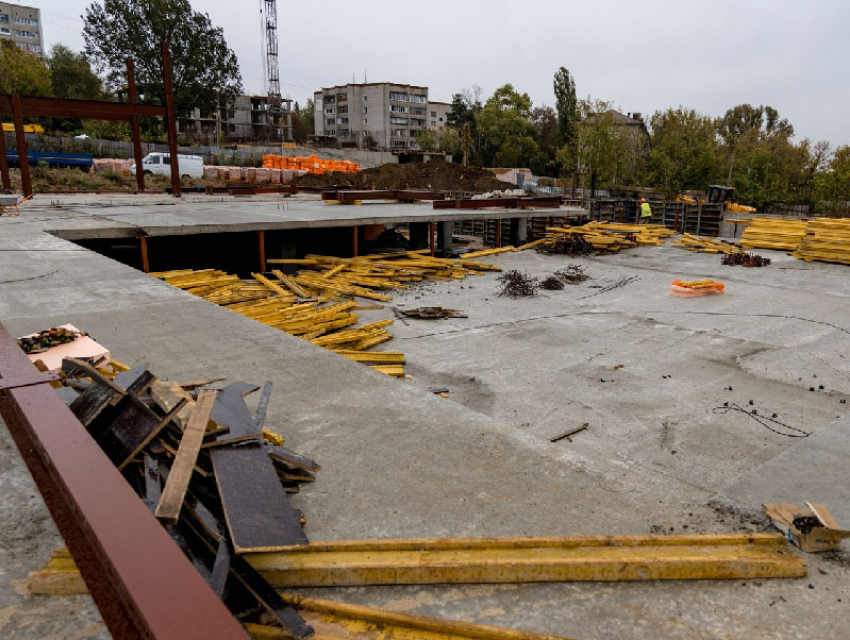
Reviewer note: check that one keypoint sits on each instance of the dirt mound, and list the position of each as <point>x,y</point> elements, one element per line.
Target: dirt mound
<point>436,175</point>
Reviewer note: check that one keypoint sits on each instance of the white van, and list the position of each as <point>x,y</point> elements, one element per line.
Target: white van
<point>160,164</point>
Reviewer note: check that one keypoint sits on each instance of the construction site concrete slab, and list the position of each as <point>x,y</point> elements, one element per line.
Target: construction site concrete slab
<point>399,461</point>
<point>91,217</point>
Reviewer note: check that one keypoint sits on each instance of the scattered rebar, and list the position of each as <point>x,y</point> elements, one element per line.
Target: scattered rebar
<point>517,285</point>
<point>571,245</point>
<point>552,283</point>
<point>744,260</point>
<point>572,274</point>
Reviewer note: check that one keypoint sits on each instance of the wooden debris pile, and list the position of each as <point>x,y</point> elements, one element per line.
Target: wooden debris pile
<point>744,260</point>
<point>318,303</point>
<point>601,236</point>
<point>706,245</point>
<point>827,240</point>
<point>773,233</point>
<point>206,467</point>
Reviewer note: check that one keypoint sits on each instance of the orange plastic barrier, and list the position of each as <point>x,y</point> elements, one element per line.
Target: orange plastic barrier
<point>695,288</point>
<point>311,164</point>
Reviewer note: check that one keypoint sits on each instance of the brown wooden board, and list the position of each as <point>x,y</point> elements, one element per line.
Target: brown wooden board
<point>135,380</point>
<point>168,509</point>
<point>92,401</point>
<point>290,458</point>
<point>231,411</point>
<point>153,486</point>
<point>258,514</point>
<point>134,426</point>
<point>203,525</point>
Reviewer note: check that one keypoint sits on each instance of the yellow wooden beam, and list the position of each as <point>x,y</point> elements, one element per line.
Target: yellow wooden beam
<point>354,622</point>
<point>509,560</point>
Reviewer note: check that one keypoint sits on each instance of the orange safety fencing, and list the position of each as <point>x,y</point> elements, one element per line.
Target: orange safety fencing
<point>310,164</point>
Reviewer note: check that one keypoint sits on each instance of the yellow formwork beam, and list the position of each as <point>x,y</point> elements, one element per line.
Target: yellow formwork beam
<point>354,622</point>
<point>60,576</point>
<point>510,560</point>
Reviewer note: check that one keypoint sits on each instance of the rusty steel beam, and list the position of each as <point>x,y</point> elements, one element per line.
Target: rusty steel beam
<point>509,203</point>
<point>4,162</point>
<point>83,109</point>
<point>143,585</point>
<point>171,120</point>
<point>134,124</point>
<point>21,139</point>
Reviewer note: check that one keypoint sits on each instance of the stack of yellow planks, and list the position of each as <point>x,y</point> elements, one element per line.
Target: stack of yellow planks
<point>773,233</point>
<point>610,236</point>
<point>827,240</point>
<point>706,245</point>
<point>317,303</point>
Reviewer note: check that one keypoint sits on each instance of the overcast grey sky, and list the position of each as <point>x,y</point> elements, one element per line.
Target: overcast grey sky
<point>708,55</point>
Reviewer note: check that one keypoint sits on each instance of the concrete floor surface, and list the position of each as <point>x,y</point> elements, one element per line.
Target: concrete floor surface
<point>399,461</point>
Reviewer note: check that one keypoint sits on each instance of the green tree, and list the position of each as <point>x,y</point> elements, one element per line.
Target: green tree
<point>566,104</point>
<point>547,136</point>
<point>446,140</point>
<point>507,134</point>
<point>683,150</point>
<point>308,116</point>
<point>736,123</point>
<point>72,75</point>
<point>22,73</point>
<point>202,63</point>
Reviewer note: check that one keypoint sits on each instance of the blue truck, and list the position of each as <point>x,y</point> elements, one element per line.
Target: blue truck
<point>83,161</point>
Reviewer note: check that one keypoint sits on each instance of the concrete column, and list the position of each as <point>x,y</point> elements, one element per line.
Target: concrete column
<point>444,235</point>
<point>519,231</point>
<point>419,235</point>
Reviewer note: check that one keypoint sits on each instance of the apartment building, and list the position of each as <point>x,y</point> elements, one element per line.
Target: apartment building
<point>383,115</point>
<point>22,25</point>
<point>245,120</point>
<point>437,115</point>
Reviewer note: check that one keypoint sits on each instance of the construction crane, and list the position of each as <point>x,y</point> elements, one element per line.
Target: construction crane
<point>274,100</point>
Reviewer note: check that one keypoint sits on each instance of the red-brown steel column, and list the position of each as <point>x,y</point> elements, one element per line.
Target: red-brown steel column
<point>143,585</point>
<point>355,242</point>
<point>498,233</point>
<point>4,162</point>
<point>21,138</point>
<point>433,237</point>
<point>134,123</point>
<point>171,120</point>
<point>261,240</point>
<point>143,243</point>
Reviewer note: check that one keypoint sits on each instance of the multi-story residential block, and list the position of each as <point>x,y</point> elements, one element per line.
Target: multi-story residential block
<point>244,120</point>
<point>22,25</point>
<point>437,114</point>
<point>377,114</point>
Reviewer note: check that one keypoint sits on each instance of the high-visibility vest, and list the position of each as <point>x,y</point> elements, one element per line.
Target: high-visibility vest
<point>645,210</point>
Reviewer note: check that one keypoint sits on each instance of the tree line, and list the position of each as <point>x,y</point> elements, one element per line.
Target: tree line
<point>673,151</point>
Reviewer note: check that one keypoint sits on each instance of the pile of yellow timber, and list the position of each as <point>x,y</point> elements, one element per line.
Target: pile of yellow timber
<point>611,236</point>
<point>773,233</point>
<point>827,240</point>
<point>706,245</point>
<point>317,303</point>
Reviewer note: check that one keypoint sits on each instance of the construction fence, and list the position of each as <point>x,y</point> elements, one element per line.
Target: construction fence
<point>247,156</point>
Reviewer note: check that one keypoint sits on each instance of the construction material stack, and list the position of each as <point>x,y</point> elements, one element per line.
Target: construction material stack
<point>773,233</point>
<point>317,304</point>
<point>827,240</point>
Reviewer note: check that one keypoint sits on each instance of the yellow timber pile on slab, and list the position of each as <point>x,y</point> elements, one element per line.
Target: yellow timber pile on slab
<point>330,619</point>
<point>773,233</point>
<point>318,304</point>
<point>706,245</point>
<point>610,236</point>
<point>827,240</point>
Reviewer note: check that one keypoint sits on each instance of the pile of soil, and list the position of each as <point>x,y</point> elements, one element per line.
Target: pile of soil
<point>436,175</point>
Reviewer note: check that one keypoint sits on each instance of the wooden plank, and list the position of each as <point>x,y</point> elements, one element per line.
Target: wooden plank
<point>92,402</point>
<point>263,406</point>
<point>153,484</point>
<point>258,514</point>
<point>168,509</point>
<point>290,458</point>
<point>134,427</point>
<point>514,560</point>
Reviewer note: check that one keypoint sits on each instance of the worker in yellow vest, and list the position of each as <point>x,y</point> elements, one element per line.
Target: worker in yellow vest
<point>645,211</point>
